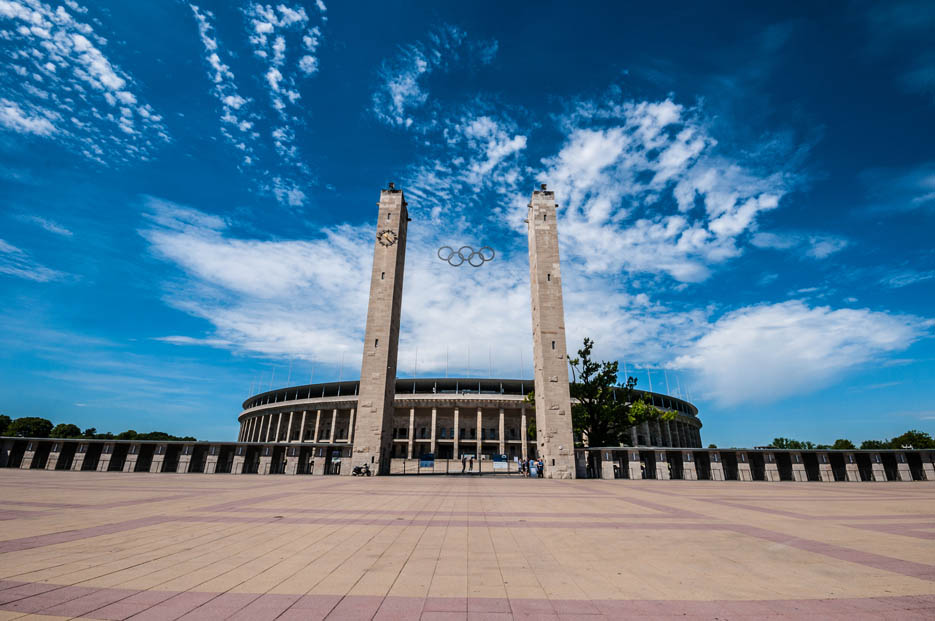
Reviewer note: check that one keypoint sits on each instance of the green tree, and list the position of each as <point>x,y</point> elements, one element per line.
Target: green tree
<point>842,444</point>
<point>915,439</point>
<point>129,434</point>
<point>787,443</point>
<point>90,432</point>
<point>4,423</point>
<point>872,444</point>
<point>602,411</point>
<point>712,446</point>
<point>30,427</point>
<point>65,430</point>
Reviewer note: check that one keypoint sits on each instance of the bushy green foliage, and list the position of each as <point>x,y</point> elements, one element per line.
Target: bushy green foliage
<point>65,430</point>
<point>787,443</point>
<point>30,427</point>
<point>4,423</point>
<point>603,411</point>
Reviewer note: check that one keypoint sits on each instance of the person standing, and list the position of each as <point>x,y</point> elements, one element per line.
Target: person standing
<point>463,463</point>
<point>471,464</point>
<point>541,475</point>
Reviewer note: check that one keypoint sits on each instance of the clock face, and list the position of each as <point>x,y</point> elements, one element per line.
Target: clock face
<point>387,238</point>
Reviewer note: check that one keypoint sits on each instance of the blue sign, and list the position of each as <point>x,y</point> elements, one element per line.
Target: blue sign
<point>427,460</point>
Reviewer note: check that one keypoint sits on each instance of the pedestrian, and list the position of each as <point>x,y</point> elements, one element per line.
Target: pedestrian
<point>463,463</point>
<point>539,466</point>
<point>471,464</point>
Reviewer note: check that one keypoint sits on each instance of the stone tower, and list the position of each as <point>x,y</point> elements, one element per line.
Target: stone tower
<point>554,436</point>
<point>373,427</point>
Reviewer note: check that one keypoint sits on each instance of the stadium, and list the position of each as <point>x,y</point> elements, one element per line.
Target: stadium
<point>444,417</point>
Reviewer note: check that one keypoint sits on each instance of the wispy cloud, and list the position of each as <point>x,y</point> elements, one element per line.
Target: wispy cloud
<point>59,83</point>
<point>892,190</point>
<point>402,78</point>
<point>904,278</point>
<point>286,45</point>
<point>50,226</point>
<point>813,245</point>
<point>903,28</point>
<point>237,124</point>
<point>18,263</point>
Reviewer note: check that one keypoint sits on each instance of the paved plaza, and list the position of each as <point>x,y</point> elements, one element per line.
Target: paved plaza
<point>144,546</point>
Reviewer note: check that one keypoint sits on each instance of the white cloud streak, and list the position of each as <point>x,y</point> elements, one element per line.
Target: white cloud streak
<point>402,89</point>
<point>18,263</point>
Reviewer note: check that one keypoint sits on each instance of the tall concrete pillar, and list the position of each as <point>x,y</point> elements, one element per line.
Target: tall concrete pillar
<point>523,434</point>
<point>412,430</point>
<point>317,425</point>
<point>302,427</point>
<point>502,448</point>
<point>633,438</point>
<point>334,423</point>
<point>555,440</point>
<point>433,433</point>
<point>381,338</point>
<point>455,453</point>
<point>289,427</point>
<point>480,436</point>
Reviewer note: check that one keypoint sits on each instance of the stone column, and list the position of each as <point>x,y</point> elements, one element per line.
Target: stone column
<point>480,436</point>
<point>289,427</point>
<point>317,424</point>
<point>824,468</point>
<point>743,468</point>
<point>554,436</point>
<point>268,419</point>
<point>302,427</point>
<point>662,466</point>
<point>851,469</point>
<point>457,434</point>
<point>502,446</point>
<point>902,467</point>
<point>689,472</point>
<point>644,427</point>
<point>876,465</point>
<point>433,433</point>
<point>350,426</point>
<point>523,433</point>
<point>634,441</point>
<point>375,414</point>
<point>334,423</point>
<point>412,429</point>
<point>667,432</point>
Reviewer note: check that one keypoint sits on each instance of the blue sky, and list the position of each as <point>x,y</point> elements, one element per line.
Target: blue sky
<point>187,201</point>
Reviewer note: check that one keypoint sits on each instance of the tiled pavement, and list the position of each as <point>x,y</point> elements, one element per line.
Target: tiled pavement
<point>161,546</point>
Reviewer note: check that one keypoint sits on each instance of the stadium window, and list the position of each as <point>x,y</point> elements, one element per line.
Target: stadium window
<point>376,342</point>
<point>382,275</point>
<point>548,277</point>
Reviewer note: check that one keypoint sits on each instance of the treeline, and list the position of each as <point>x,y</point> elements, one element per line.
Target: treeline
<point>36,427</point>
<point>912,438</point>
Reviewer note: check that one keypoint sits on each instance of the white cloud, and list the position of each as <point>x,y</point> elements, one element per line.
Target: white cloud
<point>13,117</point>
<point>18,263</point>
<point>50,226</point>
<point>769,352</point>
<point>816,246</point>
<point>905,278</point>
<point>67,88</point>
<point>645,189</point>
<point>900,190</point>
<point>402,89</point>
<point>236,121</point>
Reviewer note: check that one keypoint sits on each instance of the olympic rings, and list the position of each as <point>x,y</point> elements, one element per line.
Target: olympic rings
<point>474,258</point>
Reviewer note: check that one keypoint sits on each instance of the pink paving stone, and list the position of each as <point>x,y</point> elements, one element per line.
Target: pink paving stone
<point>267,606</point>
<point>441,615</point>
<point>221,607</point>
<point>399,609</point>
<point>80,606</point>
<point>310,607</point>
<point>488,604</point>
<point>175,607</point>
<point>531,606</point>
<point>351,608</point>
<point>490,616</point>
<point>134,604</point>
<point>574,606</point>
<point>47,599</point>
<point>445,604</point>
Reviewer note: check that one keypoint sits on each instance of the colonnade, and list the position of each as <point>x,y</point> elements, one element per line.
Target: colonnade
<point>334,425</point>
<point>668,433</point>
